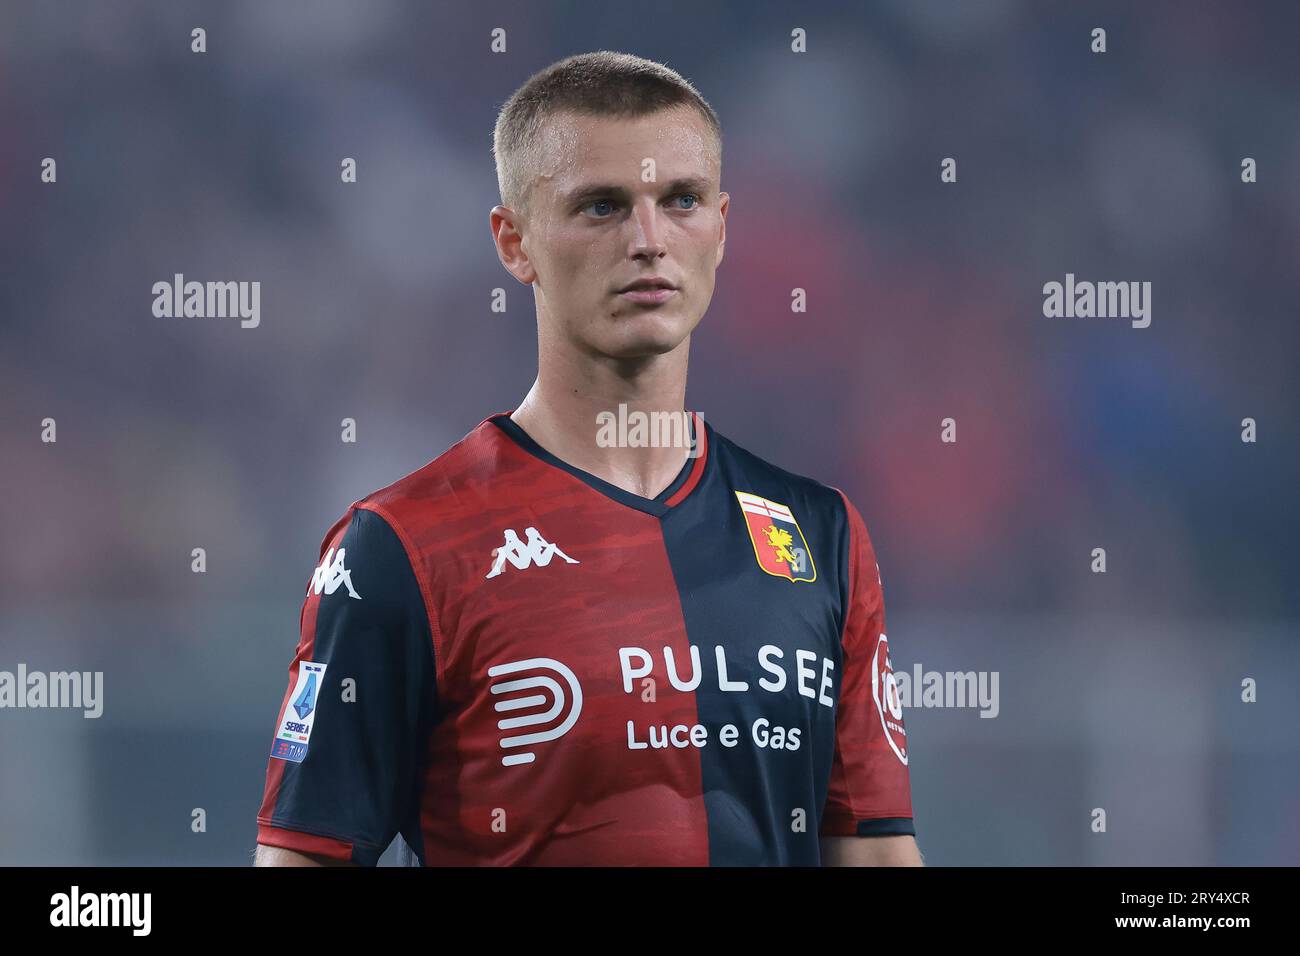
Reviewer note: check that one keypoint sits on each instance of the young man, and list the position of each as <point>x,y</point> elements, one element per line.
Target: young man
<point>550,646</point>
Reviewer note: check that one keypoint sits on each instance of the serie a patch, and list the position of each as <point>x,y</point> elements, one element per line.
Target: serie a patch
<point>295,729</point>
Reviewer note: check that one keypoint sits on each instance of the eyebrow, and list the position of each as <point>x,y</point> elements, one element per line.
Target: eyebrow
<point>583,194</point>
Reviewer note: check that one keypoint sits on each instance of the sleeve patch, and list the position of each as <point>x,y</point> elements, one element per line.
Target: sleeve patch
<point>295,729</point>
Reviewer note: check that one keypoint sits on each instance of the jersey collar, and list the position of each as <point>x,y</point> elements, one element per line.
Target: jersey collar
<point>677,492</point>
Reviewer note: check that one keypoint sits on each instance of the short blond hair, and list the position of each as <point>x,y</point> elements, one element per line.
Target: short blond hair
<point>603,83</point>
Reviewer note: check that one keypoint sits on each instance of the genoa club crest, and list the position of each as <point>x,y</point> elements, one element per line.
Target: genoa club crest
<point>779,545</point>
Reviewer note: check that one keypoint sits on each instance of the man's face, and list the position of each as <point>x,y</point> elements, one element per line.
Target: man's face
<point>617,201</point>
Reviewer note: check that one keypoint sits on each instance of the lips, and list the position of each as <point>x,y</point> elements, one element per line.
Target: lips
<point>648,284</point>
<point>648,295</point>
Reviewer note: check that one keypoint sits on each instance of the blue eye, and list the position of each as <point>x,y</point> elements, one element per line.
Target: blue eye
<point>608,205</point>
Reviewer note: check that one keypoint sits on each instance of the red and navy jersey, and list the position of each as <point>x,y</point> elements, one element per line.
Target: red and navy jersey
<point>507,660</point>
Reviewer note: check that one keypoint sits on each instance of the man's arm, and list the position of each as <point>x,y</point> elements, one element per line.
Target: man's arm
<point>870,851</point>
<point>867,818</point>
<point>279,856</point>
<point>342,778</point>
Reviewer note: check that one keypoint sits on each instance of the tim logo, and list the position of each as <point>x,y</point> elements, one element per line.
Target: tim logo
<point>331,574</point>
<point>537,550</point>
<point>560,701</point>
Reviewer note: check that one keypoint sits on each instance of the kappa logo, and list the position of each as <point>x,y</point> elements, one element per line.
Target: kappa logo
<point>332,573</point>
<point>536,551</point>
<point>559,703</point>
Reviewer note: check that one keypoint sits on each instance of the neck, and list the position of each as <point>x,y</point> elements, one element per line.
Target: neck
<point>564,410</point>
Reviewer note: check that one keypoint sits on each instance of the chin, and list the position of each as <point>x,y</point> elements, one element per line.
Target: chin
<point>644,342</point>
<point>645,334</point>
<point>639,350</point>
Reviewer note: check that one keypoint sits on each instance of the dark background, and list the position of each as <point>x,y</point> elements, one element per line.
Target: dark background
<point>1118,690</point>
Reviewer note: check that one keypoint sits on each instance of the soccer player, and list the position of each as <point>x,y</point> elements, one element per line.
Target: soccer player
<point>562,641</point>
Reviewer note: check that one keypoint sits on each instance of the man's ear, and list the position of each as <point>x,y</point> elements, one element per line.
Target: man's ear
<point>724,202</point>
<point>509,240</point>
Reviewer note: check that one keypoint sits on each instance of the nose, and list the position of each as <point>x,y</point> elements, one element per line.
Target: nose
<point>647,230</point>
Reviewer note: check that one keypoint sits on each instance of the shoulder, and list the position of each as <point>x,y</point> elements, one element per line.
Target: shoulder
<point>819,509</point>
<point>459,479</point>
<point>752,474</point>
<point>386,527</point>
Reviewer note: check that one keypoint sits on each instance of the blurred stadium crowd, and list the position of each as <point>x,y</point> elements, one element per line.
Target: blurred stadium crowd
<point>925,302</point>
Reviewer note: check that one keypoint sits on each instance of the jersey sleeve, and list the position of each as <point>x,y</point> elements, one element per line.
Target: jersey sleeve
<point>343,777</point>
<point>870,793</point>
